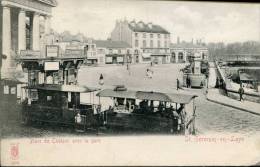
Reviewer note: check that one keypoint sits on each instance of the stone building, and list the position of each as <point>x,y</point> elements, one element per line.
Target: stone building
<point>24,26</point>
<point>149,41</point>
<point>111,52</point>
<point>184,51</point>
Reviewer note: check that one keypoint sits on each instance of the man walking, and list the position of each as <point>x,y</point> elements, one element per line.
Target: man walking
<point>241,92</point>
<point>178,84</point>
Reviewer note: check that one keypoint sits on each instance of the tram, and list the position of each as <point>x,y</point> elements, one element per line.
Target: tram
<point>150,111</point>
<point>59,104</point>
<point>196,73</point>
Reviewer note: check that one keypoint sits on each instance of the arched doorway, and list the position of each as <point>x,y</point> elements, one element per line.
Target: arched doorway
<point>172,60</point>
<point>180,57</point>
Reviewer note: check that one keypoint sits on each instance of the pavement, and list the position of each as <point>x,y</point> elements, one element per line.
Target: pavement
<point>214,95</point>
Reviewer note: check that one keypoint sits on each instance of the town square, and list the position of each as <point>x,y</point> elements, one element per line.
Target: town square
<point>188,70</point>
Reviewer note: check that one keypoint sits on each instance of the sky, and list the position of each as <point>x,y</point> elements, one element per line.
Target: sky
<point>210,22</point>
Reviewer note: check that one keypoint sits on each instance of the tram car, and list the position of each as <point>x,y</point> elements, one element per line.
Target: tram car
<point>149,111</point>
<point>195,74</point>
<point>59,104</point>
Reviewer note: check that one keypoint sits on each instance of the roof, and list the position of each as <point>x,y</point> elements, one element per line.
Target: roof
<point>186,45</point>
<point>63,88</point>
<point>121,94</point>
<point>49,2</point>
<point>11,80</point>
<point>145,28</point>
<point>111,44</point>
<point>144,95</point>
<point>167,97</point>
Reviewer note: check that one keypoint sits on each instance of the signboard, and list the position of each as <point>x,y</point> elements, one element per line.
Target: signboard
<point>52,51</point>
<point>74,52</point>
<point>108,59</point>
<point>30,53</point>
<point>51,66</point>
<point>120,59</point>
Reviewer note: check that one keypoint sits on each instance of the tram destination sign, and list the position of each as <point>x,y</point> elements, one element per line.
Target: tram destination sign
<point>52,51</point>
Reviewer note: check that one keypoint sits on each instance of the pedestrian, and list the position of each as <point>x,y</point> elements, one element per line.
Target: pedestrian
<point>128,68</point>
<point>151,64</point>
<point>241,92</point>
<point>178,84</point>
<point>217,83</point>
<point>147,71</point>
<point>101,80</point>
<point>187,81</point>
<point>78,121</point>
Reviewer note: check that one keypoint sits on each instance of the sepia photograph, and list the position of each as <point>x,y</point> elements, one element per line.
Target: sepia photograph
<point>126,82</point>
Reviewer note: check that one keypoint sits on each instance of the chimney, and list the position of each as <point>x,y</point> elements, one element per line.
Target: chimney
<point>178,40</point>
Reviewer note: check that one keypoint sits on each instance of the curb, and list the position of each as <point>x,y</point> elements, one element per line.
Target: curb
<point>228,105</point>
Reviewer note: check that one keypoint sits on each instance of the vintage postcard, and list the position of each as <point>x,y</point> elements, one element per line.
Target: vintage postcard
<point>124,82</point>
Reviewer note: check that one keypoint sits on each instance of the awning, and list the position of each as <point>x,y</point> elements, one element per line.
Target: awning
<point>64,88</point>
<point>146,55</point>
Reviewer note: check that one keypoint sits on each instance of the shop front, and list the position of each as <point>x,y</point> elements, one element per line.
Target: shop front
<point>115,59</point>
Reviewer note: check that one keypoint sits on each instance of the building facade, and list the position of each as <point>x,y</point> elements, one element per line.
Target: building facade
<point>24,25</point>
<point>183,52</point>
<point>150,42</point>
<point>111,52</point>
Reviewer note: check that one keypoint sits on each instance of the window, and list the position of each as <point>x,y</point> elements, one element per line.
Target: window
<point>144,35</point>
<point>136,34</point>
<point>119,51</point>
<point>136,43</point>
<point>151,35</point>
<point>151,44</point>
<point>165,35</point>
<point>110,51</point>
<point>158,44</point>
<point>159,35</point>
<point>49,98</point>
<point>144,44</point>
<point>6,89</point>
<point>165,44</point>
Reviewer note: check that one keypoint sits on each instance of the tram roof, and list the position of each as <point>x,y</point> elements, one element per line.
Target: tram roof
<point>144,95</point>
<point>167,97</point>
<point>120,94</point>
<point>64,88</point>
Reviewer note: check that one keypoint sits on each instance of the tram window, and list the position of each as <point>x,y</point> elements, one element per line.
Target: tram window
<point>6,89</point>
<point>13,90</point>
<point>69,96</point>
<point>49,98</point>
